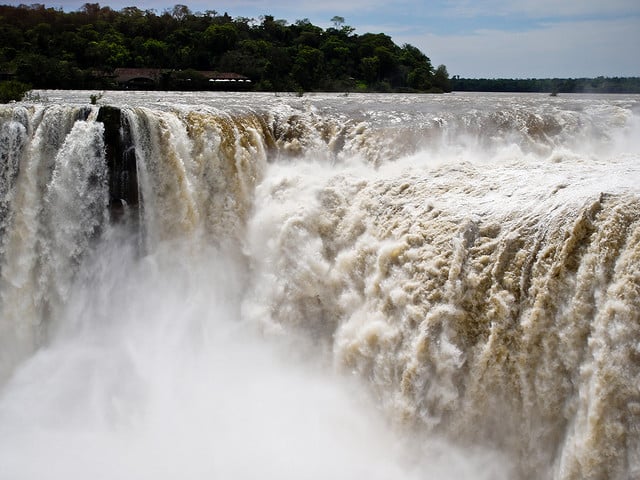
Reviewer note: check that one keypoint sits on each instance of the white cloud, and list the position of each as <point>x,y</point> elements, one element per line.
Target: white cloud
<point>561,49</point>
<point>542,8</point>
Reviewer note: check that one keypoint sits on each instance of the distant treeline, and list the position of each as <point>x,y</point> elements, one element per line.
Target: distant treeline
<point>550,85</point>
<point>49,48</point>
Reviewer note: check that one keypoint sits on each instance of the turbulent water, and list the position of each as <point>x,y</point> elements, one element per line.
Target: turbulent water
<point>362,286</point>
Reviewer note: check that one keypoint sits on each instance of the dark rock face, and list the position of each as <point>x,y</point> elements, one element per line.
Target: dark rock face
<point>121,163</point>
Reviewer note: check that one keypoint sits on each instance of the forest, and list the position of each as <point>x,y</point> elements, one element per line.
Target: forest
<point>44,47</point>
<point>550,85</point>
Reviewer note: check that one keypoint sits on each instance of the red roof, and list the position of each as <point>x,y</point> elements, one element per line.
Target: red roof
<point>127,74</point>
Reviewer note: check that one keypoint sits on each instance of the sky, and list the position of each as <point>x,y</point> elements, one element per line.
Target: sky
<point>474,39</point>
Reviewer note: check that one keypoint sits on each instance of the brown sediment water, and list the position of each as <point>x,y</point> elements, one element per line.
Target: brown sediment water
<point>371,286</point>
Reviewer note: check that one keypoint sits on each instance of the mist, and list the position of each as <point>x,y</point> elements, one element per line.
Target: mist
<point>152,373</point>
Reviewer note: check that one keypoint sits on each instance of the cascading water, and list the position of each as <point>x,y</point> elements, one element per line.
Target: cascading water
<point>372,286</point>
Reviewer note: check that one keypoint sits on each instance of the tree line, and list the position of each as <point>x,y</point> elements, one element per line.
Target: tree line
<point>49,48</point>
<point>549,85</point>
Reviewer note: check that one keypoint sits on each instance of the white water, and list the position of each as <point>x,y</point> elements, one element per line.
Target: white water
<point>154,376</point>
<point>362,287</point>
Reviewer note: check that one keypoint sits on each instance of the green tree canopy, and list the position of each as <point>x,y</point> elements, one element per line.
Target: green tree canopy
<point>50,48</point>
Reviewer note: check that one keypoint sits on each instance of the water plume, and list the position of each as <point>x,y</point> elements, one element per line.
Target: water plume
<point>152,374</point>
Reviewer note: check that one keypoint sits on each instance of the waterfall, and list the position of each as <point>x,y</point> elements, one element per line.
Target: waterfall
<point>379,285</point>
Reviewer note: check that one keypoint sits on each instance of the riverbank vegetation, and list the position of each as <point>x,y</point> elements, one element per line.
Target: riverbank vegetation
<point>49,48</point>
<point>12,90</point>
<point>550,85</point>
